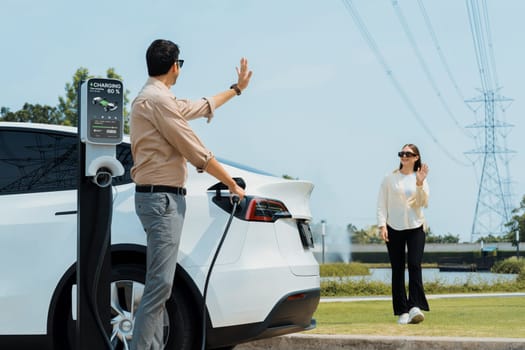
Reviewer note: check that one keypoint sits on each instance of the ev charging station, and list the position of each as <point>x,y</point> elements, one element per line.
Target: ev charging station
<point>100,131</point>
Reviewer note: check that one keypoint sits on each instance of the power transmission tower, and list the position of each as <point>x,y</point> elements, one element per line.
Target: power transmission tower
<point>494,196</point>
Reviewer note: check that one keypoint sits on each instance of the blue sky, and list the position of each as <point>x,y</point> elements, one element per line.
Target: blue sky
<point>320,106</point>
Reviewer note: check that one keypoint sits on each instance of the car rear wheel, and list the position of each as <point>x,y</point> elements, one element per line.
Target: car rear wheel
<point>127,286</point>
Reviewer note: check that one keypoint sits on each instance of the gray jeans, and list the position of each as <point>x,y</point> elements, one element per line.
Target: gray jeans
<point>162,216</point>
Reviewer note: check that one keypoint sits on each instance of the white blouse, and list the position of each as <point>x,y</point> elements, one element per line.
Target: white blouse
<point>400,201</point>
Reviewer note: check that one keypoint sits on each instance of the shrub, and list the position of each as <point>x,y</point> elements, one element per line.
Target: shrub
<point>354,288</point>
<point>344,287</point>
<point>521,278</point>
<point>510,265</point>
<point>344,269</point>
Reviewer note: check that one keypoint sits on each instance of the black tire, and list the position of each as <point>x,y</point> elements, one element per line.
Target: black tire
<point>128,280</point>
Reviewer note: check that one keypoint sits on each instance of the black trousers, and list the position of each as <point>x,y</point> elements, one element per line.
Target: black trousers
<point>414,241</point>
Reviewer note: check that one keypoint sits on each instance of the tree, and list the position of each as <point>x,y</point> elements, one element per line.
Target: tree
<point>68,104</point>
<point>492,239</point>
<point>517,224</point>
<point>111,74</point>
<point>364,236</point>
<point>32,114</point>
<point>66,111</point>
<point>448,238</point>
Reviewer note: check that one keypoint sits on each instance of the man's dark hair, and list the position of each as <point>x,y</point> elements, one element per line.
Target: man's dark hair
<point>160,57</point>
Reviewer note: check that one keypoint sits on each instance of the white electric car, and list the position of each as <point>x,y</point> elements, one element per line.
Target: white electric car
<point>265,282</point>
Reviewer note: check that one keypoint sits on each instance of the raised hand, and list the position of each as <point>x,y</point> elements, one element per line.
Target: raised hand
<point>421,174</point>
<point>243,74</point>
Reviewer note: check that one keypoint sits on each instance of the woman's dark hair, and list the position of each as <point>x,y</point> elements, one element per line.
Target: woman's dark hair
<point>160,57</point>
<point>415,150</point>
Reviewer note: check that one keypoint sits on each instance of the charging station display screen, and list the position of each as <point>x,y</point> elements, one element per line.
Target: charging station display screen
<point>105,129</point>
<point>102,101</point>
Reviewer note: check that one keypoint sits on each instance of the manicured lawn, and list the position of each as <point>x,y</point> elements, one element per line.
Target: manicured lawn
<point>463,317</point>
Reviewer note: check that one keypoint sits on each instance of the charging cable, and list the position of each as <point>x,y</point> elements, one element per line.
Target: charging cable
<point>235,200</point>
<point>105,226</point>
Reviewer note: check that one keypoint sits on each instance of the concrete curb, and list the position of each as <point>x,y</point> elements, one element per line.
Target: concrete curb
<point>368,342</point>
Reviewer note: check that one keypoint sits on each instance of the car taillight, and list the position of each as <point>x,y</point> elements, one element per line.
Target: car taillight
<point>263,209</point>
<point>254,208</point>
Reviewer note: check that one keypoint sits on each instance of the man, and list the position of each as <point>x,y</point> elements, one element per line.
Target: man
<point>161,143</point>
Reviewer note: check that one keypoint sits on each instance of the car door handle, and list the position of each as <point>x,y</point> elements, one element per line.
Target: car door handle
<point>69,212</point>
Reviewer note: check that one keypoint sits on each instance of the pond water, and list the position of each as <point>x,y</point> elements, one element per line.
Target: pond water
<point>446,278</point>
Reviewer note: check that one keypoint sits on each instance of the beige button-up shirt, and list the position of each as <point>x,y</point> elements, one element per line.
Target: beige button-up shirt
<point>161,139</point>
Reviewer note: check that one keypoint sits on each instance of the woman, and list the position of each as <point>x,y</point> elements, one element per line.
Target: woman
<point>402,196</point>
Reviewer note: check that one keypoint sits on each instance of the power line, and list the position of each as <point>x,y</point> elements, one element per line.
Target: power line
<point>442,58</point>
<point>478,27</point>
<point>490,46</point>
<point>423,64</point>
<point>379,56</point>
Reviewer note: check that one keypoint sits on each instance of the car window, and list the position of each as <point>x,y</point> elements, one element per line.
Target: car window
<point>42,161</point>
<point>36,161</point>
<point>124,156</point>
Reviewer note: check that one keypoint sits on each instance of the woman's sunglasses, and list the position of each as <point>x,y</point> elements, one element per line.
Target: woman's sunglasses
<point>406,154</point>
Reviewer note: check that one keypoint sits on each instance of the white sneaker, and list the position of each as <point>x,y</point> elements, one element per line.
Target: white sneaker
<point>415,315</point>
<point>403,319</point>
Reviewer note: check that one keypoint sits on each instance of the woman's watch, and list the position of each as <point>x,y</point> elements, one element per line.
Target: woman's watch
<point>236,88</point>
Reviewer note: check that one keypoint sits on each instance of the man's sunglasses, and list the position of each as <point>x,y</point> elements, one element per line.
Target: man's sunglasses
<point>180,63</point>
<point>406,154</point>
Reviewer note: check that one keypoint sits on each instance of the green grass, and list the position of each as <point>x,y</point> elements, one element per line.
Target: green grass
<point>463,317</point>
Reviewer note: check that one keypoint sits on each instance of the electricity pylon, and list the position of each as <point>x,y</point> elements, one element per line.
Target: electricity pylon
<point>494,196</point>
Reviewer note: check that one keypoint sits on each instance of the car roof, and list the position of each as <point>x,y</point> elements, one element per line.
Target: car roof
<point>30,125</point>
<point>73,130</point>
<point>50,127</point>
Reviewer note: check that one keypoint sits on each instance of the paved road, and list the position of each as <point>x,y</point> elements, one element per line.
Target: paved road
<point>432,296</point>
